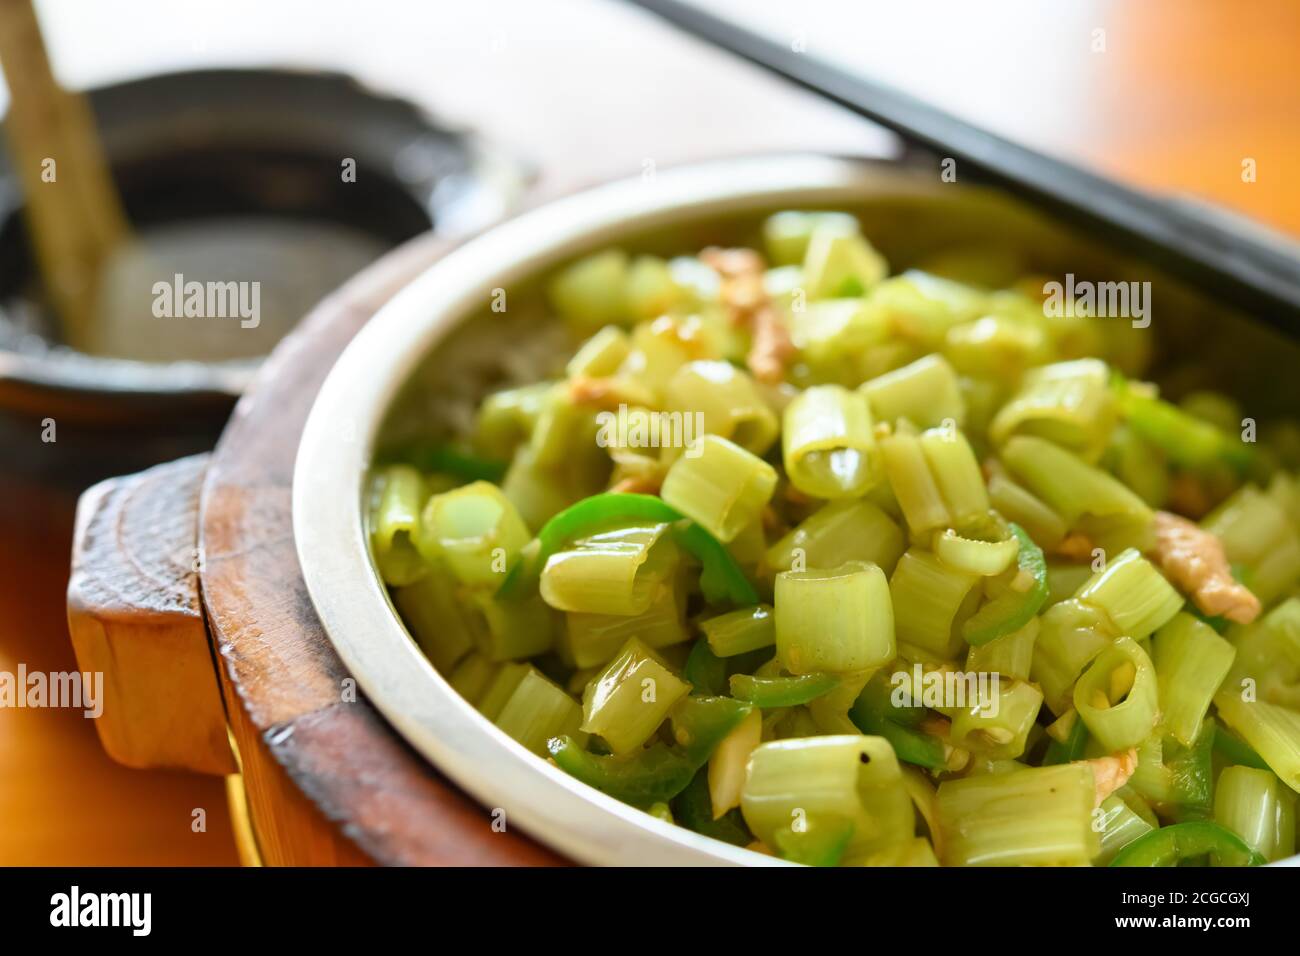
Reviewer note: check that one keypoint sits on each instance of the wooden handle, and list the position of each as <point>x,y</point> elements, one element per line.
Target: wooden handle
<point>73,212</point>
<point>134,615</point>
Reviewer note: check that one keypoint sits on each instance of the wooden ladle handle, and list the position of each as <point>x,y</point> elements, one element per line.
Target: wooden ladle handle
<point>134,615</point>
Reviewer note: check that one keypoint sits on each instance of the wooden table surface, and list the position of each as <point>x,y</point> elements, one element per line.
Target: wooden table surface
<point>1184,92</point>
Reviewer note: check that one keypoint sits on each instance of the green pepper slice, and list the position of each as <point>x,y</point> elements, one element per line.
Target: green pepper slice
<point>1071,748</point>
<point>693,809</point>
<point>873,713</point>
<point>1011,611</point>
<point>1169,845</point>
<point>772,692</point>
<point>450,460</point>
<point>721,579</point>
<point>661,771</point>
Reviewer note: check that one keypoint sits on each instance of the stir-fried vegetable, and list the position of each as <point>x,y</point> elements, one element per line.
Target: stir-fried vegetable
<point>854,569</point>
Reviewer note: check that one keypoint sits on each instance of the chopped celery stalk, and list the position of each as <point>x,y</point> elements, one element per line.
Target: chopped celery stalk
<point>505,422</point>
<point>498,692</point>
<point>593,291</point>
<point>729,402</point>
<point>836,621</point>
<point>628,701</point>
<point>513,630</point>
<point>985,558</point>
<point>441,624</point>
<point>1120,826</point>
<point>693,809</point>
<point>1258,535</point>
<point>1256,806</point>
<point>928,597</point>
<point>772,692</point>
<point>914,852</point>
<point>1191,662</point>
<point>1273,731</point>
<point>661,771</point>
<point>1014,608</point>
<point>840,263</point>
<point>1117,697</point>
<point>821,841</point>
<point>926,393</point>
<point>786,234</point>
<point>1010,655</point>
<point>1067,484</point>
<point>741,631</point>
<point>476,530</point>
<point>828,444</point>
<point>472,677</point>
<point>1170,845</point>
<point>591,639</point>
<point>913,483</point>
<point>999,728</point>
<point>1134,595</point>
<point>1070,635</point>
<point>1016,504</point>
<point>952,463</point>
<point>840,531</point>
<point>1188,442</point>
<point>1069,403</point>
<point>720,577</point>
<point>1036,816</point>
<point>650,290</point>
<point>793,784</point>
<point>397,495</point>
<point>600,355</point>
<point>537,711</point>
<point>612,572</point>
<point>723,488</point>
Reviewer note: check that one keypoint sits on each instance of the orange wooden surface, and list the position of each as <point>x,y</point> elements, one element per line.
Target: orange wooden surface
<point>62,800</point>
<point>1186,90</point>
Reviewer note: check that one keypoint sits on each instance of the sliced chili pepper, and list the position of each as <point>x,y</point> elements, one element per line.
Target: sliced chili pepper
<point>1170,845</point>
<point>705,671</point>
<point>693,809</point>
<point>771,692</point>
<point>1012,610</point>
<point>873,713</point>
<point>661,771</point>
<point>1237,751</point>
<point>450,460</point>
<point>721,579</point>
<point>1070,749</point>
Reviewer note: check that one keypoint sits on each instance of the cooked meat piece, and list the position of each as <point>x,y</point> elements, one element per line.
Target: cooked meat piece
<point>1194,560</point>
<point>748,305</point>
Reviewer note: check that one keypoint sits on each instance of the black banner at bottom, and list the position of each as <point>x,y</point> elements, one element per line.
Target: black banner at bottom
<point>339,905</point>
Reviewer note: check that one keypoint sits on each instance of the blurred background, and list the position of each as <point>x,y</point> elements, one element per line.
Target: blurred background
<point>460,114</point>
